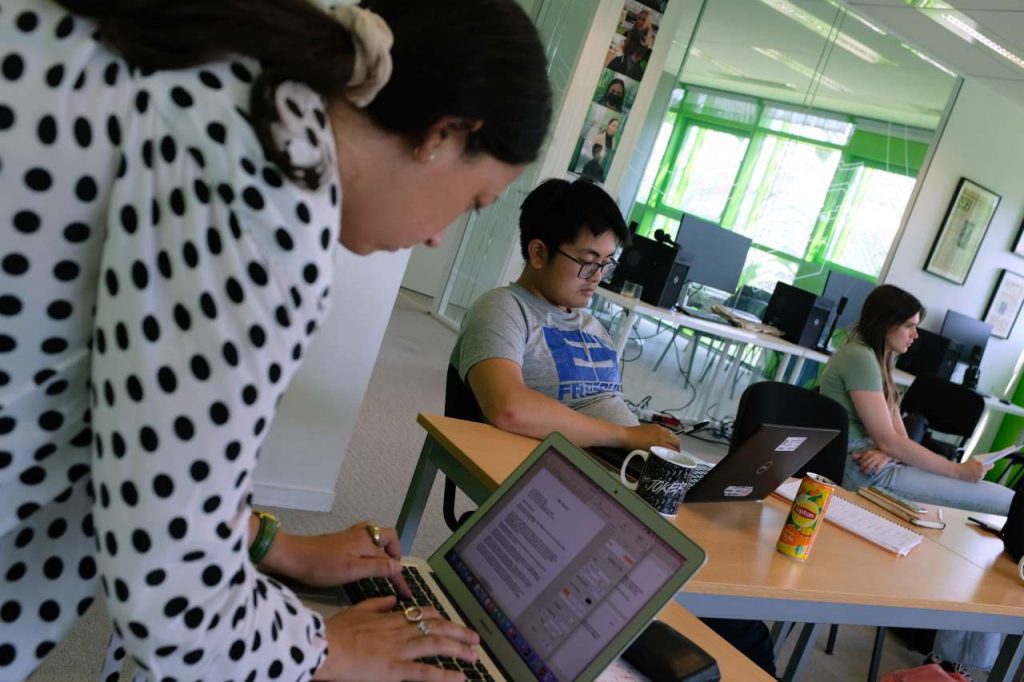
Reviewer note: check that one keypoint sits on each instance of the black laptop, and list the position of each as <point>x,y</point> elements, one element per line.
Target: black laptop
<point>761,464</point>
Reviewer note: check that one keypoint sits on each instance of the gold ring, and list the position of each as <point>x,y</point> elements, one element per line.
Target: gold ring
<point>413,614</point>
<point>374,530</point>
<point>424,627</point>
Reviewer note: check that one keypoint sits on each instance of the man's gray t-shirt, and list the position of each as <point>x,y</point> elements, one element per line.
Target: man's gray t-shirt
<point>568,356</point>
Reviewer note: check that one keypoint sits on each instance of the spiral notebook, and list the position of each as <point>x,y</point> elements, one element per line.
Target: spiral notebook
<point>855,519</point>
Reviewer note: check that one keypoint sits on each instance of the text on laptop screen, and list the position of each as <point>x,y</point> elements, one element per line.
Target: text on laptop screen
<point>561,567</point>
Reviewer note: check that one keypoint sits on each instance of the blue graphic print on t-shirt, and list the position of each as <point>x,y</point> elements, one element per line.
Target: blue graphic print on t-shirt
<point>586,365</point>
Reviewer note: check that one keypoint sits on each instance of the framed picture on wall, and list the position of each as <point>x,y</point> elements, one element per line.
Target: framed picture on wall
<point>1018,243</point>
<point>962,231</point>
<point>1005,304</point>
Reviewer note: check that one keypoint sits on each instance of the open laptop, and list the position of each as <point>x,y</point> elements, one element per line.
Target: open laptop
<point>761,464</point>
<point>558,571</point>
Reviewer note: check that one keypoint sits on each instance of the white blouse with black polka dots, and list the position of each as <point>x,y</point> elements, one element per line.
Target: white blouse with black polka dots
<point>159,280</point>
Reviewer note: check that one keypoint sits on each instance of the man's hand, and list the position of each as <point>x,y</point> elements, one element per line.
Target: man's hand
<point>871,461</point>
<point>642,437</point>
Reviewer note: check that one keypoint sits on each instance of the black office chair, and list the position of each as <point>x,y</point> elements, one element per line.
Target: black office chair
<point>773,402</point>
<point>932,404</point>
<point>459,403</point>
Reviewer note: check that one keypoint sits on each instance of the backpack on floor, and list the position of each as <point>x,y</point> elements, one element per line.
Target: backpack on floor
<point>924,673</point>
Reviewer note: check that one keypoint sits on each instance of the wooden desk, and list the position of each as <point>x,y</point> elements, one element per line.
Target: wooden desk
<point>846,581</point>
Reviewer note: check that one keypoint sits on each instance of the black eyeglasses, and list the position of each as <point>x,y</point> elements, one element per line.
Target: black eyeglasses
<point>589,268</point>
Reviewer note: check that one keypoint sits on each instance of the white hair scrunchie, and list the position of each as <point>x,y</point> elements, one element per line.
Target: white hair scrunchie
<point>371,66</point>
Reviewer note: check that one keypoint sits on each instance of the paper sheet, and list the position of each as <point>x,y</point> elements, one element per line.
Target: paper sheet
<point>990,457</point>
<point>856,519</point>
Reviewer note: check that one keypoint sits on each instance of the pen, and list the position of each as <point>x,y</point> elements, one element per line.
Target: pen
<point>696,427</point>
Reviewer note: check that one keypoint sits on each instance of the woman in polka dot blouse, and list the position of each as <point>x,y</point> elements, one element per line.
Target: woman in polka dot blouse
<point>174,178</point>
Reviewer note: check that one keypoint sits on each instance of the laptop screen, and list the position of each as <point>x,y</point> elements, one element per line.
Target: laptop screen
<point>561,567</point>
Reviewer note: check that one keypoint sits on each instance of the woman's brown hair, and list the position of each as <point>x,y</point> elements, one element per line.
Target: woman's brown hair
<point>885,308</point>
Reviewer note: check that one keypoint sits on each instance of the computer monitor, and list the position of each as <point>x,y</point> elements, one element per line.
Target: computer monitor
<point>930,355</point>
<point>966,333</point>
<point>854,289</point>
<point>718,254</point>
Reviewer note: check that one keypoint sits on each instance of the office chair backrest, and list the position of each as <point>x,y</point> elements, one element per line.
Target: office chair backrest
<point>773,402</point>
<point>1013,529</point>
<point>948,407</point>
<point>459,401</point>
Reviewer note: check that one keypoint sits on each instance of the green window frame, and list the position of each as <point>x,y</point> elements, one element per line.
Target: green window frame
<point>868,145</point>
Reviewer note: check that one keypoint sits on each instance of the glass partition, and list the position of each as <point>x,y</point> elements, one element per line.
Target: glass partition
<point>491,235</point>
<point>799,124</point>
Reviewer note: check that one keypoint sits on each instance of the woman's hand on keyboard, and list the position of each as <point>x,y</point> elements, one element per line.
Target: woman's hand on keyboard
<point>338,558</point>
<point>370,642</point>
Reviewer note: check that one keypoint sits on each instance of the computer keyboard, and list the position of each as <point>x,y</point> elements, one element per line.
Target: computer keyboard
<point>423,596</point>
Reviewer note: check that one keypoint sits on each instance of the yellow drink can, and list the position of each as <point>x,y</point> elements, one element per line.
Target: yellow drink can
<point>806,516</point>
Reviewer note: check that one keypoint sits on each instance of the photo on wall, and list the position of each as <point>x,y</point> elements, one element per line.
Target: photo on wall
<point>615,91</point>
<point>631,47</point>
<point>596,146</point>
<point>625,63</point>
<point>1004,306</point>
<point>962,231</point>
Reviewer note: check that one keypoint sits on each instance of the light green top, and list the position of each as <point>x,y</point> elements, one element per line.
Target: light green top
<point>853,367</point>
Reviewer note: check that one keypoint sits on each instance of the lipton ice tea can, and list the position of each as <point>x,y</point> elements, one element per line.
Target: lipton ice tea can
<point>806,516</point>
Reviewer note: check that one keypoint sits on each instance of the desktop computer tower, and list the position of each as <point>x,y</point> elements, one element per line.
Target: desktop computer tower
<point>930,355</point>
<point>801,316</point>
<point>660,267</point>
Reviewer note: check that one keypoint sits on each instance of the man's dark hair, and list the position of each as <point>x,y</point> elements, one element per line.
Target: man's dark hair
<point>557,210</point>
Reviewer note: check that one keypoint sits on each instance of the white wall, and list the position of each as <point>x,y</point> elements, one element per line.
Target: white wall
<point>982,141</point>
<point>429,266</point>
<point>308,439</point>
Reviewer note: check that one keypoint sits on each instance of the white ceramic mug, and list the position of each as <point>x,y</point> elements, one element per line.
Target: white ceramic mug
<point>664,480</point>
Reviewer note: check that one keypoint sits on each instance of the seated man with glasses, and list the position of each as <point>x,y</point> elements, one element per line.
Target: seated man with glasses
<point>535,361</point>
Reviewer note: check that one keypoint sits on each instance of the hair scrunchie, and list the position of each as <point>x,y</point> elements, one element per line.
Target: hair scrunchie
<point>371,66</point>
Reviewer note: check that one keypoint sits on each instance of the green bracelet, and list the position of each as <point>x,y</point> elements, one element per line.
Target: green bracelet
<point>264,537</point>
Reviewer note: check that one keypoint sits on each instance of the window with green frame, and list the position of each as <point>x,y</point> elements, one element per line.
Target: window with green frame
<point>812,189</point>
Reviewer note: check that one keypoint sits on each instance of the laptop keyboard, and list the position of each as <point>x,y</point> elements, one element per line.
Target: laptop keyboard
<point>422,596</point>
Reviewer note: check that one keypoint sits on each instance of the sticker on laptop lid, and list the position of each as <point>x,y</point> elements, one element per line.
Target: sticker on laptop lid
<point>790,444</point>
<point>738,490</point>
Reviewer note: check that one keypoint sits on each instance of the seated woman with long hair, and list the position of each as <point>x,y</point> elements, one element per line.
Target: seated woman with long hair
<point>859,377</point>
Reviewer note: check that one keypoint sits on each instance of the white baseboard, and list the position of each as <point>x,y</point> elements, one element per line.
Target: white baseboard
<point>267,494</point>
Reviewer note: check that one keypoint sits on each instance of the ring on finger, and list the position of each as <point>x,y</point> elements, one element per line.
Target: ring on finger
<point>413,614</point>
<point>374,530</point>
<point>424,627</point>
